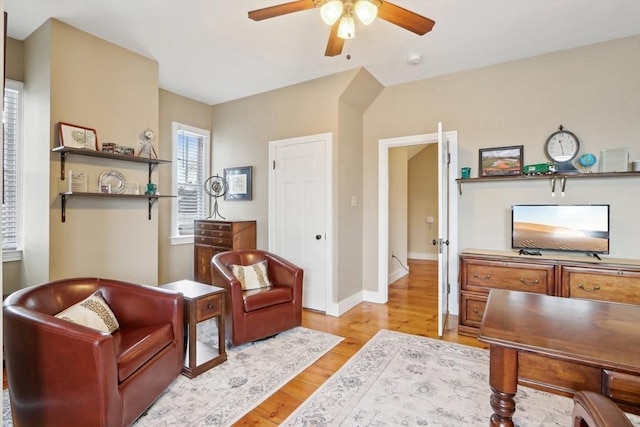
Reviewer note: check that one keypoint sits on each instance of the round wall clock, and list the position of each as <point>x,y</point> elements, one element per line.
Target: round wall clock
<point>562,146</point>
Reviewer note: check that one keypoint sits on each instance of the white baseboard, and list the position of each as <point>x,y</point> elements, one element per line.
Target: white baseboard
<point>423,256</point>
<point>373,296</point>
<point>397,274</point>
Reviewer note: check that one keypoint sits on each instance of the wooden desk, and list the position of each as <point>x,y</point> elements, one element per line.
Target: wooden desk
<point>561,345</point>
<point>201,302</point>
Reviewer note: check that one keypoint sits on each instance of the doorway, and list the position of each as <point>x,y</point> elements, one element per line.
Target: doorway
<point>384,145</point>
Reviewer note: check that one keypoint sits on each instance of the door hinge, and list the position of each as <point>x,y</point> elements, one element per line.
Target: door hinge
<point>448,158</point>
<point>274,165</point>
<point>448,288</point>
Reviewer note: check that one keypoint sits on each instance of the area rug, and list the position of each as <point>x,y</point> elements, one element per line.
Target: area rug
<point>406,380</point>
<point>224,394</point>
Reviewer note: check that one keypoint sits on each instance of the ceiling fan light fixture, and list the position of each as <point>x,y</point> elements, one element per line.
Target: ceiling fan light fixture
<point>366,11</point>
<point>331,11</point>
<point>347,28</point>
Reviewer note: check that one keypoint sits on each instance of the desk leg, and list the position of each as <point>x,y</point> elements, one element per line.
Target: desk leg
<point>503,378</point>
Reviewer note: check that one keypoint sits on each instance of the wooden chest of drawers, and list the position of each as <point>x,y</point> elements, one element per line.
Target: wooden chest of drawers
<point>213,236</point>
<point>611,280</point>
<point>479,275</point>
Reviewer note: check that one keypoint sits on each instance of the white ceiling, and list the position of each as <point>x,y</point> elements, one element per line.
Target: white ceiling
<point>210,51</point>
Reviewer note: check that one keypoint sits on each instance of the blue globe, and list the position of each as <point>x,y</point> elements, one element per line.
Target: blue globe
<point>587,160</point>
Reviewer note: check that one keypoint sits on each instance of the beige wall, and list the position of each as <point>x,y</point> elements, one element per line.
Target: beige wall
<point>15,60</point>
<point>593,91</point>
<point>74,77</point>
<point>243,128</point>
<point>423,203</point>
<point>175,261</point>
<point>115,91</point>
<point>398,212</point>
<point>36,137</point>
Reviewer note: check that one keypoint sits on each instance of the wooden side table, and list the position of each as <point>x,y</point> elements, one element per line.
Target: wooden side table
<point>201,302</point>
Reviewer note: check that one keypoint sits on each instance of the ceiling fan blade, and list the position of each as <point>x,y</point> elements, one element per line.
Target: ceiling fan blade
<point>335,43</point>
<point>281,9</point>
<point>405,18</point>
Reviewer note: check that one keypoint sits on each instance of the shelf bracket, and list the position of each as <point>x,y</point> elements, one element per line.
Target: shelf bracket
<point>152,166</point>
<point>563,185</point>
<point>64,207</point>
<point>460,188</point>
<point>63,159</point>
<point>152,200</point>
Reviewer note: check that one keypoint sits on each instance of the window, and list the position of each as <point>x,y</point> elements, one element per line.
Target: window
<point>191,166</point>
<point>11,208</point>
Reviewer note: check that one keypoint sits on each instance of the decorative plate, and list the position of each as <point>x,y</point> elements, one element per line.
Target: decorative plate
<point>114,179</point>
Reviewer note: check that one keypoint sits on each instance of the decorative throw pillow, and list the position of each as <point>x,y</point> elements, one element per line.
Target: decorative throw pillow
<point>93,312</point>
<point>252,276</point>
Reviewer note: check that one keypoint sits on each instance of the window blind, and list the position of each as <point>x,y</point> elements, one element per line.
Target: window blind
<point>191,174</point>
<point>11,164</point>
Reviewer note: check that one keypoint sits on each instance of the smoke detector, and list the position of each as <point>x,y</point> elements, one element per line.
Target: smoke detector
<point>414,59</point>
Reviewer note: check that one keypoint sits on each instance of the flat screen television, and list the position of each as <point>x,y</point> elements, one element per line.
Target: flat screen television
<point>570,228</point>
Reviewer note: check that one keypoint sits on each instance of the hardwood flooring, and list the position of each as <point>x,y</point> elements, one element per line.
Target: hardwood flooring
<point>412,308</point>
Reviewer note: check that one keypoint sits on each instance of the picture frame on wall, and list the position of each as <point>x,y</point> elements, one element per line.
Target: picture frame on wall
<point>501,161</point>
<point>75,136</point>
<point>240,182</point>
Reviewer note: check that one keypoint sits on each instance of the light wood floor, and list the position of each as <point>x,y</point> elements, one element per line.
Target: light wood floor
<point>412,308</point>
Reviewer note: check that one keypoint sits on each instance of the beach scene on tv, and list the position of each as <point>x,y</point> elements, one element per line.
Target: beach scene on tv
<point>561,228</point>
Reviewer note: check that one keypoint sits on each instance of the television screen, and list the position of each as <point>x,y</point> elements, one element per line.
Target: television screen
<point>572,228</point>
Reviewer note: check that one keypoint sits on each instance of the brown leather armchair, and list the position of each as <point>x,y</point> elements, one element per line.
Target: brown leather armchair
<point>64,374</point>
<point>595,410</point>
<point>255,314</point>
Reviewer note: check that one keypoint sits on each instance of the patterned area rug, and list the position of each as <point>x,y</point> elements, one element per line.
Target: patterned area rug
<point>224,394</point>
<point>406,380</point>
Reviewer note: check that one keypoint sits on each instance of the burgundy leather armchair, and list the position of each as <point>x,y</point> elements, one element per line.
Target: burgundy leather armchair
<point>256,314</point>
<point>63,374</point>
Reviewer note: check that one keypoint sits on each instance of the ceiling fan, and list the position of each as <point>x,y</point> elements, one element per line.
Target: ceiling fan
<point>340,13</point>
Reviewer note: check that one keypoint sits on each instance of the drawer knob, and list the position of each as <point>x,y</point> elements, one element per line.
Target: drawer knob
<point>530,282</point>
<point>485,277</point>
<point>478,312</point>
<point>594,289</point>
<point>209,306</point>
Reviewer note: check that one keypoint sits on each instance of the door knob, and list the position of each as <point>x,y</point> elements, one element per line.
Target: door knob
<point>433,242</point>
<point>318,237</point>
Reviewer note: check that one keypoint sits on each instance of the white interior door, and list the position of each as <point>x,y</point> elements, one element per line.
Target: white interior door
<point>297,215</point>
<point>443,230</point>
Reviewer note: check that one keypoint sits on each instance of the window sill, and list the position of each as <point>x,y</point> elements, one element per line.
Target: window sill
<point>181,240</point>
<point>11,256</point>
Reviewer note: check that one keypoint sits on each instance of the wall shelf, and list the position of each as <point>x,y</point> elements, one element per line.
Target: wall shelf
<point>65,196</point>
<point>66,151</point>
<point>558,177</point>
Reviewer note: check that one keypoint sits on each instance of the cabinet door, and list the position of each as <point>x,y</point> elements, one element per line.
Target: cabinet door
<point>613,285</point>
<point>202,263</point>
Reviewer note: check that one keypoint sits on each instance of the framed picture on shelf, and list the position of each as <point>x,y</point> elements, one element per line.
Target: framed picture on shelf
<point>75,136</point>
<point>239,182</point>
<point>500,161</point>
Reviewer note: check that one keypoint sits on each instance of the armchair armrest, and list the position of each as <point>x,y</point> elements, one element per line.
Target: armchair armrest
<point>595,410</point>
<point>283,272</point>
<point>61,349</point>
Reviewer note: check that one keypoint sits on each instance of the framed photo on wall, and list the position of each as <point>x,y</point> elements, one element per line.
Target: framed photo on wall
<point>239,182</point>
<point>75,136</point>
<point>500,161</point>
